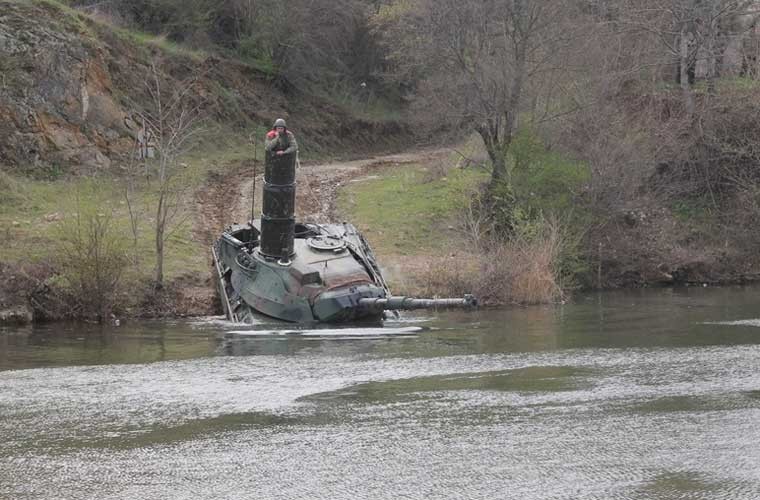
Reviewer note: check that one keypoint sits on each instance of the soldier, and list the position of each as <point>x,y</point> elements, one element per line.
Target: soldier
<point>280,140</point>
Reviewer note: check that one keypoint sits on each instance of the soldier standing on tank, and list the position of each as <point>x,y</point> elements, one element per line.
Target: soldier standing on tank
<point>280,140</point>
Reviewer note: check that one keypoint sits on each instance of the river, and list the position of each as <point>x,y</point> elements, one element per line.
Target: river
<point>651,394</point>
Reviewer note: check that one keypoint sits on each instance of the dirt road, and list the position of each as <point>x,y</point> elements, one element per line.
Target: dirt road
<point>227,198</point>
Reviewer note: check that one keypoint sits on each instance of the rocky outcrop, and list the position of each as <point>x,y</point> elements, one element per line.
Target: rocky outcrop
<point>71,88</point>
<point>57,104</point>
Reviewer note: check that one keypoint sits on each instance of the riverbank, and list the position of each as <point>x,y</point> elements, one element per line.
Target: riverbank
<point>220,194</point>
<point>410,206</point>
<point>68,159</point>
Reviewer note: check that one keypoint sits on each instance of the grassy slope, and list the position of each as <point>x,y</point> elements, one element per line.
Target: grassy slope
<point>409,210</point>
<point>30,210</point>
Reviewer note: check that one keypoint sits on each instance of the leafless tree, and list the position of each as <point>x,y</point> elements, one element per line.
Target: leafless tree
<point>486,64</point>
<point>175,122</point>
<point>698,38</point>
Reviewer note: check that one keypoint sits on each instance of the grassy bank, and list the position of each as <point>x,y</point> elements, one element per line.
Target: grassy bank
<point>38,215</point>
<point>411,209</point>
<point>438,233</point>
<point>30,209</point>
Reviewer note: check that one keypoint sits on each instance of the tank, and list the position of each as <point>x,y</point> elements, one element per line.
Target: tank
<point>303,272</point>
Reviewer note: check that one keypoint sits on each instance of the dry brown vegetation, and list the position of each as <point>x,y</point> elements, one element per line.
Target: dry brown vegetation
<point>523,268</point>
<point>512,272</point>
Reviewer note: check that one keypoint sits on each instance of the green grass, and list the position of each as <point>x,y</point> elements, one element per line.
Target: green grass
<point>80,22</point>
<point>693,210</point>
<point>402,212</point>
<point>544,181</point>
<point>371,108</point>
<point>729,83</point>
<point>29,209</point>
<point>28,224</point>
<point>69,17</point>
<point>143,39</point>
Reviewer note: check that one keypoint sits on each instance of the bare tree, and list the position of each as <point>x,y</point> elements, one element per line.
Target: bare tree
<point>174,122</point>
<point>698,37</point>
<point>484,64</point>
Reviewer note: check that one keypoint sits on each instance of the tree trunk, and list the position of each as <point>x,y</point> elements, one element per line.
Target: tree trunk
<point>712,53</point>
<point>496,152</point>
<point>684,60</point>
<point>160,228</point>
<point>499,173</point>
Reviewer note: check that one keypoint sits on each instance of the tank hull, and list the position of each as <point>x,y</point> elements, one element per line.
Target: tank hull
<point>330,270</point>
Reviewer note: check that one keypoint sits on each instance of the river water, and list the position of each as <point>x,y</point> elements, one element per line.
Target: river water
<point>632,395</point>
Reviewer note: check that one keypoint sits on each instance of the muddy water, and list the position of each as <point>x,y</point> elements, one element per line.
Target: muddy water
<point>646,395</point>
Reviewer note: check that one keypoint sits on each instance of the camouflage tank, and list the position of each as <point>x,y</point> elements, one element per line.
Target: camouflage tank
<point>302,272</point>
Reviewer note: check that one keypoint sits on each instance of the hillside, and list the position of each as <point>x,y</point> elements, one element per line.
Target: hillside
<point>71,87</point>
<point>72,91</point>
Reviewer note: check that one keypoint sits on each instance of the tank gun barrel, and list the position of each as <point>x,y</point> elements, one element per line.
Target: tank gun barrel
<point>409,303</point>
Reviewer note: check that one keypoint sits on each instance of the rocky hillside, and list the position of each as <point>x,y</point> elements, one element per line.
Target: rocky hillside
<point>70,85</point>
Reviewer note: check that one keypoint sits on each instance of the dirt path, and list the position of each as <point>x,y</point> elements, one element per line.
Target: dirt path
<point>318,185</point>
<point>226,198</point>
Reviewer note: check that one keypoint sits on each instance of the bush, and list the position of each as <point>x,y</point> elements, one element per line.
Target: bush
<point>10,190</point>
<point>252,50</point>
<point>542,180</point>
<point>91,254</point>
<point>525,269</point>
<point>540,184</point>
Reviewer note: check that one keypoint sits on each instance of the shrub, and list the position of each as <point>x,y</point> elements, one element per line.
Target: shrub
<point>91,254</point>
<point>543,180</point>
<point>10,190</point>
<point>525,269</point>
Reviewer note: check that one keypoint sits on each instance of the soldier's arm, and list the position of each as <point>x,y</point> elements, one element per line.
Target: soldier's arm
<point>293,148</point>
<point>270,141</point>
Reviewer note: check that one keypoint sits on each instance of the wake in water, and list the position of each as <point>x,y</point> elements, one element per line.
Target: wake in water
<point>743,322</point>
<point>265,327</point>
<point>344,333</point>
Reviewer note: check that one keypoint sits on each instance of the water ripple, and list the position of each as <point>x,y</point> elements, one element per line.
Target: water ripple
<point>574,424</point>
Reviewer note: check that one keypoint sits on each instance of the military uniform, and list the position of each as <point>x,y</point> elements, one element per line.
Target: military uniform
<point>287,143</point>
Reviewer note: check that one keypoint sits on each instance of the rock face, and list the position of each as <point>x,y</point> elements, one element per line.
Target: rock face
<point>71,88</point>
<point>56,99</point>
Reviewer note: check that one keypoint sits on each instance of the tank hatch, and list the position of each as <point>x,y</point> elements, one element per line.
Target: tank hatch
<point>327,243</point>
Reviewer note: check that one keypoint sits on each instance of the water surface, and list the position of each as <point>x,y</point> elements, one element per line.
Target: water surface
<point>635,395</point>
